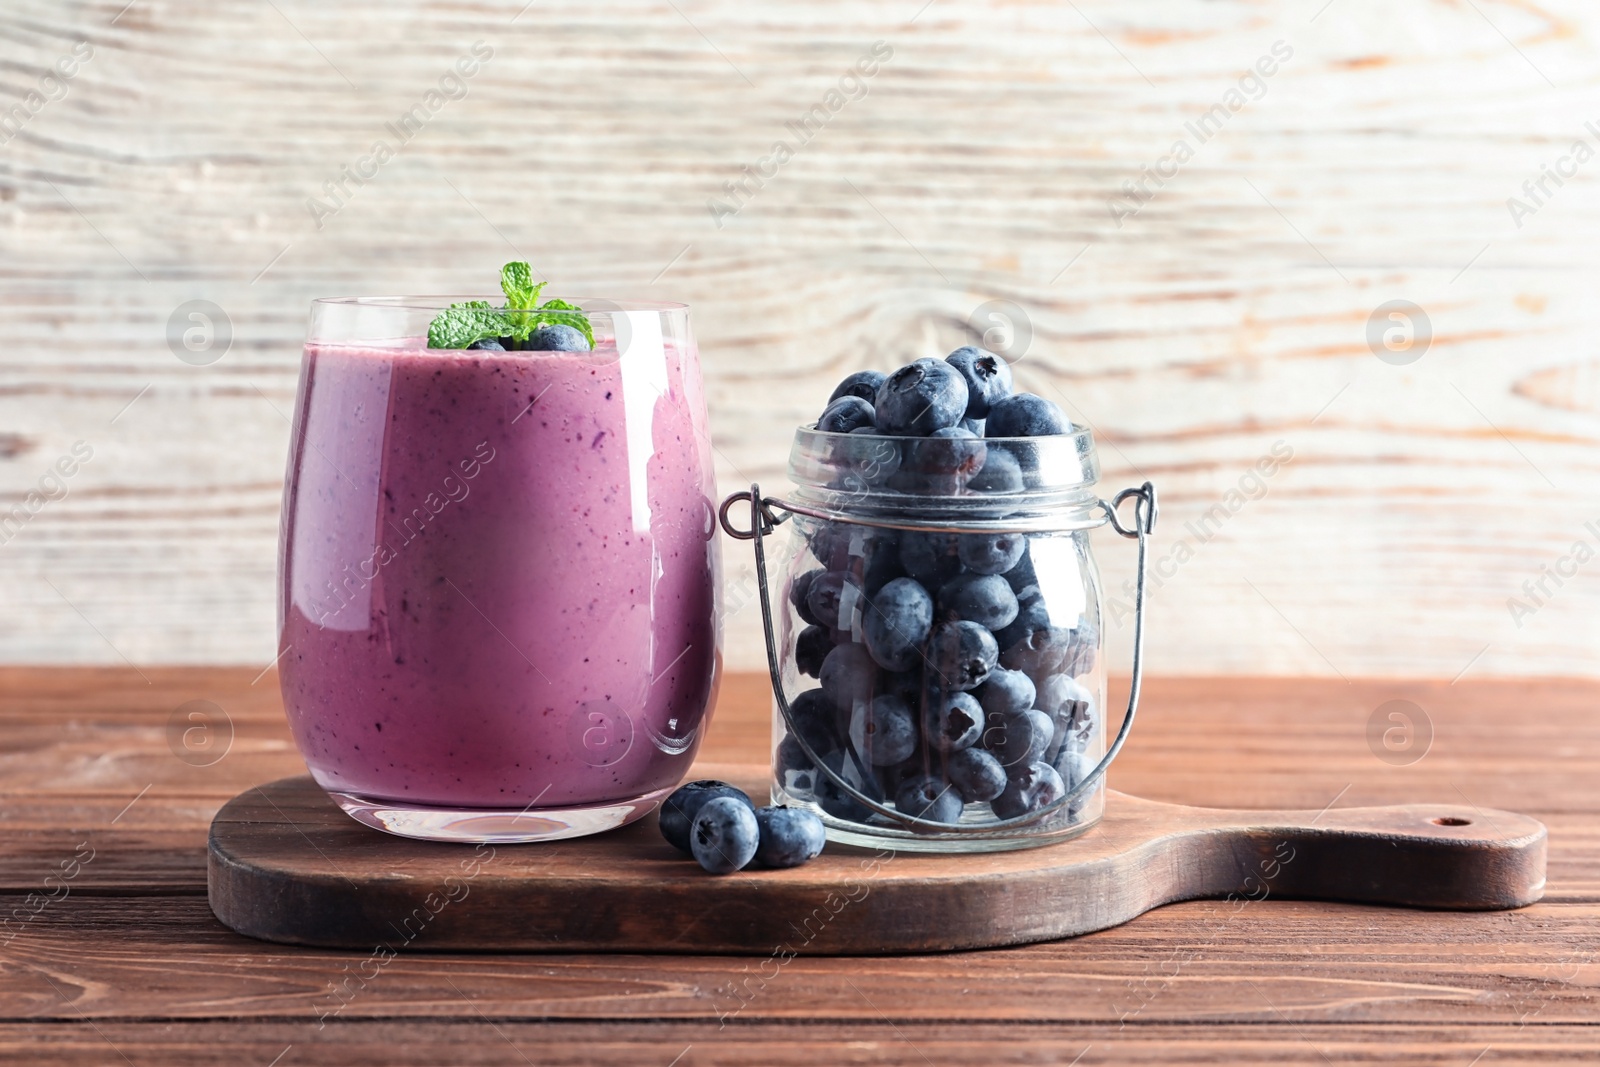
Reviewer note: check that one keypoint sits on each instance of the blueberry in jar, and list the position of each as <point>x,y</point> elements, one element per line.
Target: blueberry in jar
<point>834,599</point>
<point>724,835</point>
<point>1035,786</point>
<point>679,809</point>
<point>1022,575</point>
<point>985,599</point>
<point>863,384</point>
<point>814,715</point>
<point>1026,415</point>
<point>848,676</point>
<point>890,731</point>
<point>811,648</point>
<point>988,378</point>
<point>961,655</point>
<point>951,451</point>
<point>1040,653</point>
<point>788,837</point>
<point>919,398</point>
<point>1001,472</point>
<point>845,415</point>
<point>953,721</point>
<point>871,459</point>
<point>880,561</point>
<point>926,797</point>
<point>976,774</point>
<point>794,770</point>
<point>1032,615</point>
<point>838,803</point>
<point>800,590</point>
<point>930,558</point>
<point>895,623</point>
<point>991,553</point>
<point>1006,691</point>
<point>1018,738</point>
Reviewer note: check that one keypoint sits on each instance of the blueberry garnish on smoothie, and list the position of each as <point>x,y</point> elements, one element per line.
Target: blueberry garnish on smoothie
<point>521,325</point>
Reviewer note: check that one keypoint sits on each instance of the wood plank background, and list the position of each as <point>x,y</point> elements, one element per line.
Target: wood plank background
<point>976,165</point>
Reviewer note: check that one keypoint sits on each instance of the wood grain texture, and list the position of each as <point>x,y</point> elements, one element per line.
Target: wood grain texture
<point>135,966</point>
<point>492,1041</point>
<point>1230,314</point>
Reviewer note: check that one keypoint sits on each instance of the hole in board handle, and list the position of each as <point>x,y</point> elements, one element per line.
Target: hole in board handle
<point>1450,820</point>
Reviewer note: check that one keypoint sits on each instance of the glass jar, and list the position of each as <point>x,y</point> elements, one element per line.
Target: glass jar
<point>498,572</point>
<point>936,656</point>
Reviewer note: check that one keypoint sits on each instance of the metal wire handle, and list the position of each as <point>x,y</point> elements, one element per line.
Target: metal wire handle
<point>764,521</point>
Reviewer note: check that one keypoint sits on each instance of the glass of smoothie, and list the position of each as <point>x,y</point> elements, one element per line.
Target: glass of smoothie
<point>498,575</point>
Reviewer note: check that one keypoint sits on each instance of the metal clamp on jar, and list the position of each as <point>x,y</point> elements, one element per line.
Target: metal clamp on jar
<point>944,596</point>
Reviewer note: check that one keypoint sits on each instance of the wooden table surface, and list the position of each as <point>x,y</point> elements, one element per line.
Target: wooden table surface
<point>112,956</point>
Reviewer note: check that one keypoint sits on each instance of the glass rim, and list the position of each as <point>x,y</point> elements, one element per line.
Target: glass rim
<point>586,304</point>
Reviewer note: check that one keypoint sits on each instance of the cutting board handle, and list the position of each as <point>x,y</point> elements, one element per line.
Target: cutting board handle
<point>1418,855</point>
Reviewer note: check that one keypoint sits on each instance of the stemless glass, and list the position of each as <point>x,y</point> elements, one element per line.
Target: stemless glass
<point>498,572</point>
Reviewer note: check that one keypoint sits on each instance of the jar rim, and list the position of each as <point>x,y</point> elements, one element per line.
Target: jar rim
<point>1046,478</point>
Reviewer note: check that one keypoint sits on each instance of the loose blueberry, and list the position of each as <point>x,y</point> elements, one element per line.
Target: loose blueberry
<point>988,378</point>
<point>846,414</point>
<point>890,731</point>
<point>848,676</point>
<point>953,721</point>
<point>930,558</point>
<point>553,338</point>
<point>920,398</point>
<point>788,836</point>
<point>724,835</point>
<point>1001,472</point>
<point>800,590</point>
<point>961,655</point>
<point>896,622</point>
<point>1033,787</point>
<point>985,599</point>
<point>925,797</point>
<point>1018,738</point>
<point>1026,415</point>
<point>863,384</point>
<point>834,598</point>
<point>488,344</point>
<point>811,648</point>
<point>977,774</point>
<point>1006,691</point>
<point>992,553</point>
<point>679,809</point>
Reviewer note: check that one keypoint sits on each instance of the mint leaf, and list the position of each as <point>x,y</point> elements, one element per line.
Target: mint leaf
<point>461,325</point>
<point>516,281</point>
<point>561,313</point>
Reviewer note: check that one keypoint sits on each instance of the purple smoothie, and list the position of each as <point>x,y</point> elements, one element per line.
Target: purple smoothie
<point>499,573</point>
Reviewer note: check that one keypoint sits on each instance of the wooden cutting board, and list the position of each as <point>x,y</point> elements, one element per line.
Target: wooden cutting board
<point>287,865</point>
